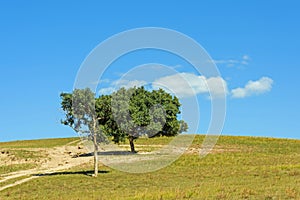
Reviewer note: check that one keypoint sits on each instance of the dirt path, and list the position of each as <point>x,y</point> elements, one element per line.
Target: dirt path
<point>59,158</point>
<point>66,157</point>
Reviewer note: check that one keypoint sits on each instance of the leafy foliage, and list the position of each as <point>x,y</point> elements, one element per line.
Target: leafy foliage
<point>126,113</point>
<point>82,117</point>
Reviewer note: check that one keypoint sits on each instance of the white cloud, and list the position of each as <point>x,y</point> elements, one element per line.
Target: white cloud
<point>128,83</point>
<point>234,62</point>
<point>105,91</point>
<point>246,57</point>
<point>260,86</point>
<point>187,85</point>
<point>217,86</point>
<point>121,83</point>
<point>230,61</point>
<point>100,81</point>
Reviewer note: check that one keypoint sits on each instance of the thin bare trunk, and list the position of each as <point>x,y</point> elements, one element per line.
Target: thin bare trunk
<point>95,151</point>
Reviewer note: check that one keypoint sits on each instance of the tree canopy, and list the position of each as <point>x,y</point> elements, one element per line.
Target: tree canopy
<point>81,115</point>
<point>126,113</point>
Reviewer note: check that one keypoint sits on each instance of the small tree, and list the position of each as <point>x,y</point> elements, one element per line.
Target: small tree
<point>81,115</point>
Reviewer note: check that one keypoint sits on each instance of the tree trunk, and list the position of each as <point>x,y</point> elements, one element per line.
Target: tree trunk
<point>95,151</point>
<point>131,144</point>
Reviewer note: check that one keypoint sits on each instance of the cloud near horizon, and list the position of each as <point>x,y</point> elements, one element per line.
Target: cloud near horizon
<point>186,85</point>
<point>260,86</point>
<point>182,85</point>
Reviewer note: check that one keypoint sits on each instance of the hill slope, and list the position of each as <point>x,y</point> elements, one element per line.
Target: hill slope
<point>237,168</point>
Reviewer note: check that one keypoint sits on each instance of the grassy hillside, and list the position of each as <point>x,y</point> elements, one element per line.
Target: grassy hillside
<point>43,143</point>
<point>238,168</point>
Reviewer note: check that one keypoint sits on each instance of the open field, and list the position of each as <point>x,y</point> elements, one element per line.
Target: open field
<point>237,168</point>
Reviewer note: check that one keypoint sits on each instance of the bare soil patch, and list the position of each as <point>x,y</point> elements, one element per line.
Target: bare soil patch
<point>53,160</point>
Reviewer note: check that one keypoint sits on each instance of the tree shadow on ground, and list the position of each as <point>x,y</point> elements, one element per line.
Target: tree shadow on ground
<point>87,173</point>
<point>103,153</point>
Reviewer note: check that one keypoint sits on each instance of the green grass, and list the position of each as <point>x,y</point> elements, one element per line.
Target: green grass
<point>44,143</point>
<point>263,168</point>
<point>152,141</point>
<point>12,180</point>
<point>24,154</point>
<point>4,169</point>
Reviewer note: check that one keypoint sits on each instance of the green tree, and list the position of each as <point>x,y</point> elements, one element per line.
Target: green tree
<point>126,113</point>
<point>137,112</point>
<point>81,115</point>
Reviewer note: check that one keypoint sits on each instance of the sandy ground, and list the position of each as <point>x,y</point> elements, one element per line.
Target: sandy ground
<point>57,159</point>
<point>62,158</point>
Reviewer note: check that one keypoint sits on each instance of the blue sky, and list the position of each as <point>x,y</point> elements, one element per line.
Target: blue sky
<point>44,43</point>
